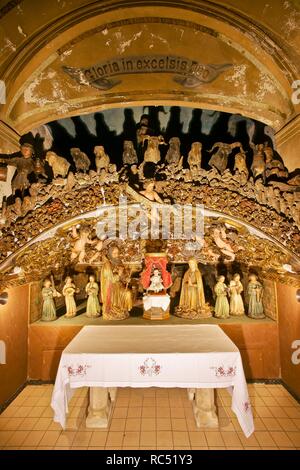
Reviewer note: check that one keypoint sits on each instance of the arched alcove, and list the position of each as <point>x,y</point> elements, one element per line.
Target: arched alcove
<point>82,76</point>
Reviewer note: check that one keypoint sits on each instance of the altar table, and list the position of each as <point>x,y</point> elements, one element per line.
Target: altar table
<point>196,357</point>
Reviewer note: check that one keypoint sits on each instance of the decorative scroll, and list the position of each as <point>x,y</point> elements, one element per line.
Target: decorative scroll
<point>188,73</point>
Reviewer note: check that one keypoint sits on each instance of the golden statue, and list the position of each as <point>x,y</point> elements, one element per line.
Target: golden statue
<point>195,157</point>
<point>116,297</point>
<point>102,160</point>
<point>192,300</point>
<point>152,154</point>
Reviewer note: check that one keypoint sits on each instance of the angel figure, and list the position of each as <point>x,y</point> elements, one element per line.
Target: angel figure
<point>82,239</point>
<point>150,193</point>
<point>220,238</point>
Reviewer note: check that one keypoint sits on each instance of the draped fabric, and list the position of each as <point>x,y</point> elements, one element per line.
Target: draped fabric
<point>160,263</point>
<point>185,356</point>
<point>116,298</point>
<point>192,291</point>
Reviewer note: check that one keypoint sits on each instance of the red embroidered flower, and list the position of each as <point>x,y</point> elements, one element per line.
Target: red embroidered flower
<point>150,367</point>
<point>246,406</point>
<point>222,372</point>
<point>80,370</point>
<point>231,371</point>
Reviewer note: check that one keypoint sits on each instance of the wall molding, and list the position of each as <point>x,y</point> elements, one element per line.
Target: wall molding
<point>289,131</point>
<point>9,138</point>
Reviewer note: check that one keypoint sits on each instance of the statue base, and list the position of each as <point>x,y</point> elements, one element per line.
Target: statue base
<point>191,314</point>
<point>156,313</point>
<point>156,307</point>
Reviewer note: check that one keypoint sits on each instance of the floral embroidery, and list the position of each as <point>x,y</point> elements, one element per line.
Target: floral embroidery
<point>80,370</point>
<point>221,371</point>
<point>247,406</point>
<point>150,367</point>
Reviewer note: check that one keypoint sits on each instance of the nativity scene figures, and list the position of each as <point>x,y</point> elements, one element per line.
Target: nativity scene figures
<point>69,290</point>
<point>192,299</point>
<point>25,168</point>
<point>219,159</point>
<point>48,294</point>
<point>239,188</point>
<point>255,295</point>
<point>116,295</point>
<point>92,291</point>
<point>222,305</point>
<point>195,157</point>
<point>235,293</point>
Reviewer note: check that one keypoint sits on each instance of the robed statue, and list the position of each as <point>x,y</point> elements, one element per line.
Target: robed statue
<point>192,300</point>
<point>115,295</point>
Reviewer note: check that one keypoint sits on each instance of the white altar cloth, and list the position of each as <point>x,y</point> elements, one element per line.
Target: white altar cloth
<point>186,356</point>
<point>160,301</point>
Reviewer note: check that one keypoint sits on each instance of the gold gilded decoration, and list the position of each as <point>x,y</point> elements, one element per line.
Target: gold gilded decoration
<point>250,220</point>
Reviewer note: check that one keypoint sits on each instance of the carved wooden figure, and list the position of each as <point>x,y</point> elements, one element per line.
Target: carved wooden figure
<point>69,290</point>
<point>81,160</point>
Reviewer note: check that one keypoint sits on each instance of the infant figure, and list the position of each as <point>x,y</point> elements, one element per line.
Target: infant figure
<point>156,284</point>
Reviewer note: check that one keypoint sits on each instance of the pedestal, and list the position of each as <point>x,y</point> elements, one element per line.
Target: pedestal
<point>156,307</point>
<point>204,408</point>
<point>100,407</point>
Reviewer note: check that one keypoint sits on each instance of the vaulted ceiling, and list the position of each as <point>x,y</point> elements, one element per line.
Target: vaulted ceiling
<point>62,58</point>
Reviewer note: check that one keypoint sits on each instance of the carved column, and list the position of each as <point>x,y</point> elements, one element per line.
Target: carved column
<point>100,407</point>
<point>204,407</point>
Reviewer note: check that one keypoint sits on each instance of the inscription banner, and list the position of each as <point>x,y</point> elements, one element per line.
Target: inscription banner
<point>187,72</point>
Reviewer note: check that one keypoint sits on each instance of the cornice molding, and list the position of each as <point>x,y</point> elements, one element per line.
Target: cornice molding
<point>9,138</point>
<point>289,131</point>
<point>8,7</point>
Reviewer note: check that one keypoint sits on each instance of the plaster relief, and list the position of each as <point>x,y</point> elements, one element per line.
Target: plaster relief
<point>188,73</point>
